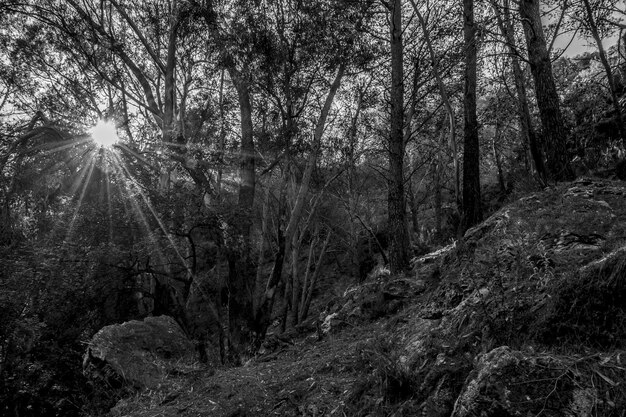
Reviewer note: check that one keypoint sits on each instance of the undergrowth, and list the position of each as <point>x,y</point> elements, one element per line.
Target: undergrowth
<point>385,384</point>
<point>587,307</point>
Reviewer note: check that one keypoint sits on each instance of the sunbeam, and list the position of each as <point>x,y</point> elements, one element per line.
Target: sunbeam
<point>152,211</point>
<point>87,178</point>
<point>51,148</point>
<point>131,205</point>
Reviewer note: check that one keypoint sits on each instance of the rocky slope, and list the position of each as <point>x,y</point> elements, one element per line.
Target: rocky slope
<point>525,316</point>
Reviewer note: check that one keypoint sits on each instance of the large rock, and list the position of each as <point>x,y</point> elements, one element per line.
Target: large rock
<point>371,301</point>
<point>508,382</point>
<point>135,352</point>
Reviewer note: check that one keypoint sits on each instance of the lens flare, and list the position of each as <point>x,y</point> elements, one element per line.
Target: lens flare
<point>105,134</point>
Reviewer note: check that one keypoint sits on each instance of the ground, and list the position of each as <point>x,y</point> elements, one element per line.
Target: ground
<point>303,377</point>
<point>523,316</point>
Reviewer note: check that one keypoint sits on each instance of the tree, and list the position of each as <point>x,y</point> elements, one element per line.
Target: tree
<point>592,25</point>
<point>472,211</point>
<point>399,257</point>
<point>528,133</point>
<point>553,127</point>
<point>444,97</point>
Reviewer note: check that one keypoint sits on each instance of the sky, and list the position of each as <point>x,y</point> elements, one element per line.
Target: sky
<point>580,45</point>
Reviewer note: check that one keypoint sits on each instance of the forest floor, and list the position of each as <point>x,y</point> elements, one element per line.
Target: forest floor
<point>302,377</point>
<point>528,307</point>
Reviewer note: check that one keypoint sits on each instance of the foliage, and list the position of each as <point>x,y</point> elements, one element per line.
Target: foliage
<point>387,383</point>
<point>51,309</point>
<point>586,307</point>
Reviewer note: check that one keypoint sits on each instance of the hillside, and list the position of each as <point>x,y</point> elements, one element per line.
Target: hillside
<point>524,316</point>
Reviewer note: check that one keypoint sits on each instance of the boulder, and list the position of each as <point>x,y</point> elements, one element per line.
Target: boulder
<point>507,382</point>
<point>135,352</point>
<point>371,301</point>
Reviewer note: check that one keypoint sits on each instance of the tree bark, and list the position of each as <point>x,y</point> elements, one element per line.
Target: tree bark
<point>222,141</point>
<point>262,314</point>
<point>545,90</point>
<point>307,291</point>
<point>593,28</point>
<point>446,102</point>
<point>247,151</point>
<point>472,211</point>
<point>437,168</point>
<point>399,257</point>
<point>496,156</point>
<point>528,132</point>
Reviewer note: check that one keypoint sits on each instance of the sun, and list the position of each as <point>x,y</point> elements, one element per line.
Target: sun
<point>105,134</point>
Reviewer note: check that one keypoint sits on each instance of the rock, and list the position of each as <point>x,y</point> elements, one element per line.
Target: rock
<point>134,353</point>
<point>507,382</point>
<point>371,301</point>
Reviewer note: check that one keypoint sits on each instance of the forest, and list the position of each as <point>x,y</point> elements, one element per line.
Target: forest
<point>231,163</point>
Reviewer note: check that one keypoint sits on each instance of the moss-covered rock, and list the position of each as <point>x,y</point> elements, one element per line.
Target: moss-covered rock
<point>135,352</point>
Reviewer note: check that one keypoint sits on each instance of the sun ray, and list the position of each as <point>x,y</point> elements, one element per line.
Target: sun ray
<point>81,175</point>
<point>51,148</point>
<point>136,155</point>
<point>131,205</point>
<point>90,168</point>
<point>154,213</point>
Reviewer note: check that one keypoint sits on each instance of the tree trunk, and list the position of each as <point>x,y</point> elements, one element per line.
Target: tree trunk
<point>472,211</point>
<point>307,293</point>
<point>399,257</point>
<point>247,150</point>
<point>593,27</point>
<point>296,280</point>
<point>438,200</point>
<point>414,207</point>
<point>528,132</point>
<point>258,283</point>
<point>446,102</point>
<point>265,302</point>
<point>263,314</point>
<point>545,89</point>
<point>352,177</point>
<point>496,157</point>
<point>222,141</point>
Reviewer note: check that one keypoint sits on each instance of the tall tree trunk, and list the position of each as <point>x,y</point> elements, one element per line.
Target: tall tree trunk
<point>241,274</point>
<point>437,199</point>
<point>262,314</point>
<point>593,27</point>
<point>414,207</point>
<point>399,256</point>
<point>169,102</point>
<point>496,156</point>
<point>247,150</point>
<point>311,279</point>
<point>352,177</point>
<point>528,132</point>
<point>296,279</point>
<point>222,141</point>
<point>545,89</point>
<point>259,281</point>
<point>472,211</point>
<point>446,102</point>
